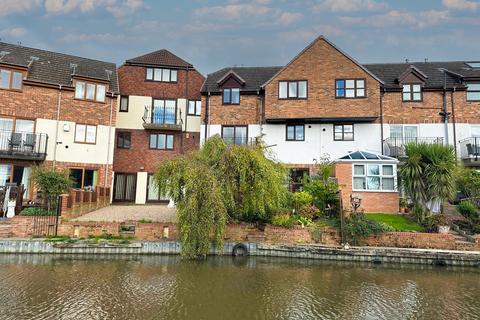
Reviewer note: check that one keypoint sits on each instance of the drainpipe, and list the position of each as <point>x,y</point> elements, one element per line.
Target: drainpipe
<point>109,139</point>
<point>206,120</point>
<point>445,114</point>
<point>454,121</point>
<point>382,91</point>
<point>57,126</point>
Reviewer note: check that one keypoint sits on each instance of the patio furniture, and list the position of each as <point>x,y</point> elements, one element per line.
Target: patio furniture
<point>15,141</point>
<point>30,140</point>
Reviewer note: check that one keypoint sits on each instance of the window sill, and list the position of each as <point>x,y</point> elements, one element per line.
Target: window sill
<point>87,100</point>
<point>375,191</point>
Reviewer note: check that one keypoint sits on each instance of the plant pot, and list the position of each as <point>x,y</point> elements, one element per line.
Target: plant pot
<point>402,210</point>
<point>443,229</point>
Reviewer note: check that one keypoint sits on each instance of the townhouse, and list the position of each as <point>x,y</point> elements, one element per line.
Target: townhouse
<point>324,103</point>
<point>56,110</point>
<point>158,117</point>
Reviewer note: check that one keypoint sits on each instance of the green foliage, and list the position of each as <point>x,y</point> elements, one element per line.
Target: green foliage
<point>145,221</point>
<point>396,221</point>
<point>428,174</point>
<point>468,210</point>
<point>358,227</point>
<point>51,183</point>
<point>303,221</point>
<point>433,222</point>
<point>283,220</point>
<point>309,212</point>
<point>217,183</point>
<point>36,211</point>
<point>301,199</point>
<point>468,182</point>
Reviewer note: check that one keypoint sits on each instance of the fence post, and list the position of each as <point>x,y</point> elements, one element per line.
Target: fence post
<point>59,211</point>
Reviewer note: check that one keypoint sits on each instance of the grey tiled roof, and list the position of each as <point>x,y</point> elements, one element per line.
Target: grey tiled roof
<point>390,72</point>
<point>254,77</point>
<point>57,68</point>
<point>161,57</point>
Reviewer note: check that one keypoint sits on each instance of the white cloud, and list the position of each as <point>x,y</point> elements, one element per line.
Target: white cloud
<point>461,4</point>
<point>13,32</point>
<point>91,37</point>
<point>288,18</point>
<point>17,6</point>
<point>420,19</point>
<point>119,9</point>
<point>349,5</point>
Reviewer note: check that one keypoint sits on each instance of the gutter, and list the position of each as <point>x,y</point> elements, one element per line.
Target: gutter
<point>59,102</point>
<point>454,121</point>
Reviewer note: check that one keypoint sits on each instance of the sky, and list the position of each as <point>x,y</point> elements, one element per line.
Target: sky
<point>213,34</point>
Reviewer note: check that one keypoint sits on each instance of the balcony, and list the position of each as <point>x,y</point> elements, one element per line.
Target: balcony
<point>470,150</point>
<point>164,118</point>
<point>395,147</point>
<point>241,140</point>
<point>23,145</point>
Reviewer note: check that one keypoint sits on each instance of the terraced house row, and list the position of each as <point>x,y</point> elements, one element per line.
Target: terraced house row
<point>111,127</point>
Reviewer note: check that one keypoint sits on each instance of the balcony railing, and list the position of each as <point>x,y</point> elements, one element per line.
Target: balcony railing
<point>470,148</point>
<point>241,140</point>
<point>395,147</point>
<point>161,118</point>
<point>23,145</point>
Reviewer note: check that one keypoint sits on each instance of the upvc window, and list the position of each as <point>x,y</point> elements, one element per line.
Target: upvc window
<point>161,74</point>
<point>350,88</point>
<point>473,92</point>
<point>161,141</point>
<point>164,111</point>
<point>235,134</point>
<point>123,104</point>
<point>83,178</point>
<point>374,177</point>
<point>412,92</point>
<point>292,89</point>
<point>343,132</point>
<point>194,108</point>
<point>124,140</point>
<point>403,132</point>
<point>231,96</point>
<point>295,132</point>
<point>90,91</point>
<point>85,133</point>
<point>11,80</point>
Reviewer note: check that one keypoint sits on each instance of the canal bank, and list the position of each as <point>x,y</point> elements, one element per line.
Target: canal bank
<point>375,255</point>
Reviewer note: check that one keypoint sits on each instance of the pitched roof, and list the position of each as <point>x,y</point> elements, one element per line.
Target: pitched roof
<point>254,77</point>
<point>391,72</point>
<point>57,68</point>
<point>161,57</point>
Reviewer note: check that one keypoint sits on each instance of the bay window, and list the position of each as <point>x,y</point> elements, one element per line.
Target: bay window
<point>374,177</point>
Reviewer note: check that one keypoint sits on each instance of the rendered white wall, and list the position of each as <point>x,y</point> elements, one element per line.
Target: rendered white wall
<point>141,191</point>
<point>136,109</point>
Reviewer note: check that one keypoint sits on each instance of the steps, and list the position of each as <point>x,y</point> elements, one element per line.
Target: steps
<point>462,242</point>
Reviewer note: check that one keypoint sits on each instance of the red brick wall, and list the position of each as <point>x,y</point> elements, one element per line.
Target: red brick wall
<point>132,82</point>
<point>386,202</point>
<point>247,112</point>
<point>321,64</point>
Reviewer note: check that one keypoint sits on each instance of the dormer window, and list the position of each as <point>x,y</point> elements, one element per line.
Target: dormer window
<point>90,91</point>
<point>412,92</point>
<point>231,96</point>
<point>10,80</point>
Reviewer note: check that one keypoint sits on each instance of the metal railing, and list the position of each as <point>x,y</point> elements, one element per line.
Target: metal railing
<point>395,147</point>
<point>161,118</point>
<point>470,148</point>
<point>241,140</point>
<point>23,145</point>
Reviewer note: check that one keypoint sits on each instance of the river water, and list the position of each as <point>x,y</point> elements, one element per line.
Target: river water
<point>166,287</point>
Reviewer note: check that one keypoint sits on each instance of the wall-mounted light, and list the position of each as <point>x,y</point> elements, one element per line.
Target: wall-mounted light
<point>66,127</point>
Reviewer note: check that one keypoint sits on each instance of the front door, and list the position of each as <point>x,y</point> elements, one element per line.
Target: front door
<point>124,187</point>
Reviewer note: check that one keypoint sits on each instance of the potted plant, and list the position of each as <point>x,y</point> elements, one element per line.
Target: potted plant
<point>440,221</point>
<point>402,204</point>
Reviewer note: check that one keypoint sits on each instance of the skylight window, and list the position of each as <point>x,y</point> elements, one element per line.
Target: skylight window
<point>473,65</point>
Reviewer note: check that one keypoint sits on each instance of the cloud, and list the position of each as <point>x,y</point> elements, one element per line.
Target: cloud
<point>118,9</point>
<point>461,4</point>
<point>92,37</point>
<point>420,19</point>
<point>13,32</point>
<point>312,33</point>
<point>288,18</point>
<point>349,5</point>
<point>17,6</point>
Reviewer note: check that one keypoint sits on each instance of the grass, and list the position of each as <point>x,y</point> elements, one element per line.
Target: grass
<point>396,221</point>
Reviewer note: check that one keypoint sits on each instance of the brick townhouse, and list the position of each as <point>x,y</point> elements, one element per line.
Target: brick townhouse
<point>56,110</point>
<point>158,117</point>
<point>323,103</point>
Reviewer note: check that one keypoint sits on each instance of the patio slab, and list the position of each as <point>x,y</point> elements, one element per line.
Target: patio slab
<point>121,213</point>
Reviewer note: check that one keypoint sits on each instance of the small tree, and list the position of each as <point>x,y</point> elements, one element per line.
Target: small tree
<point>51,183</point>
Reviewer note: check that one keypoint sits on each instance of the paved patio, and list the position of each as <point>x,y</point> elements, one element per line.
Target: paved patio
<point>120,213</point>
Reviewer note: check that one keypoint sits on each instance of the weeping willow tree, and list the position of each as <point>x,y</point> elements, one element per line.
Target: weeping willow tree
<point>428,175</point>
<point>219,183</point>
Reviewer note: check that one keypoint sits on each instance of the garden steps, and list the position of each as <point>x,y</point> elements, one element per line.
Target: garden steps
<point>462,242</point>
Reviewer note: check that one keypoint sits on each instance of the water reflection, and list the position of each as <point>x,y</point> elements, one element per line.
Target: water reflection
<point>165,287</point>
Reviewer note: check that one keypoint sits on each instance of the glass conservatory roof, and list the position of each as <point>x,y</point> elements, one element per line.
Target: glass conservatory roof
<point>364,155</point>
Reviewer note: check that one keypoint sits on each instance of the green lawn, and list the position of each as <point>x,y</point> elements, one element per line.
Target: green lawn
<point>396,221</point>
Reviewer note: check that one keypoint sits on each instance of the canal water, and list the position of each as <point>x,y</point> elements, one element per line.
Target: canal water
<point>166,287</point>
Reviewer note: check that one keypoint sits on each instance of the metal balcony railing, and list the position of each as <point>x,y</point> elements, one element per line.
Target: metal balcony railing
<point>395,147</point>
<point>470,148</point>
<point>161,118</point>
<point>241,140</point>
<point>23,145</point>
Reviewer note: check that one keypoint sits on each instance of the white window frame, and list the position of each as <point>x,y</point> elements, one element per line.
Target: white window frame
<point>161,74</point>
<point>86,128</point>
<point>197,106</point>
<point>381,176</point>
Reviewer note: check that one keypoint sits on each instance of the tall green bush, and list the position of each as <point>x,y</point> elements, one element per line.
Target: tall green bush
<point>468,182</point>
<point>51,183</point>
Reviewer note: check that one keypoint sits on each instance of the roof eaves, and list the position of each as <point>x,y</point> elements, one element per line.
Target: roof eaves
<point>227,75</point>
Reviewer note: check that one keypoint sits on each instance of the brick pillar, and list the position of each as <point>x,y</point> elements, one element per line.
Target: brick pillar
<point>64,203</point>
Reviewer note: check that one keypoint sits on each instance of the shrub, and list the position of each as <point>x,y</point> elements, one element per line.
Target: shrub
<point>303,221</point>
<point>309,212</point>
<point>37,211</point>
<point>283,220</point>
<point>358,227</point>
<point>301,199</point>
<point>51,183</point>
<point>324,193</point>
<point>316,230</point>
<point>468,182</point>
<point>433,222</point>
<point>468,210</point>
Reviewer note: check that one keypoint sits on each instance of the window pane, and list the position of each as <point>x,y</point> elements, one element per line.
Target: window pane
<point>340,93</point>
<point>235,95</point>
<point>292,89</point>
<point>473,87</point>
<point>358,170</point>
<point>350,93</point>
<point>153,141</point>
<point>126,140</point>
<point>338,136</point>
<point>241,135</point>
<point>360,92</point>
<point>387,170</point>
<point>350,84</point>
<point>473,96</point>
<point>80,133</point>
<point>373,183</point>
<point>6,124</point>
<point>302,89</point>
<point>348,128</point>
<point>124,103</point>
<point>226,95</point>
<point>170,110</point>
<point>416,88</point>
<point>396,131</point>
<point>161,141</point>
<point>80,90</point>
<point>173,75</point>
<point>100,92</point>
<point>474,129</point>
<point>417,96</point>
<point>338,128</point>
<point>191,107</point>
<point>90,91</point>
<point>157,75</point>
<point>282,90</point>
<point>91,134</point>
<point>228,134</point>
<point>120,140</point>
<point>149,74</point>
<point>17,80</point>
<point>76,176</point>
<point>5,79</point>
<point>299,132</point>
<point>22,125</point>
<point>348,136</point>
<point>361,84</point>
<point>290,132</point>
<point>340,84</point>
<point>406,88</point>
<point>165,74</point>
<point>198,108</point>
<point>169,141</point>
<point>373,169</point>
<point>388,184</point>
<point>359,184</point>
<point>411,132</point>
<point>406,96</point>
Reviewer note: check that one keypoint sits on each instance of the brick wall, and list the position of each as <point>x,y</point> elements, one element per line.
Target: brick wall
<point>413,240</point>
<point>247,112</point>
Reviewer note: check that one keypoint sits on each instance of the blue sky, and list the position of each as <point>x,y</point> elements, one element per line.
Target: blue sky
<point>216,34</point>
